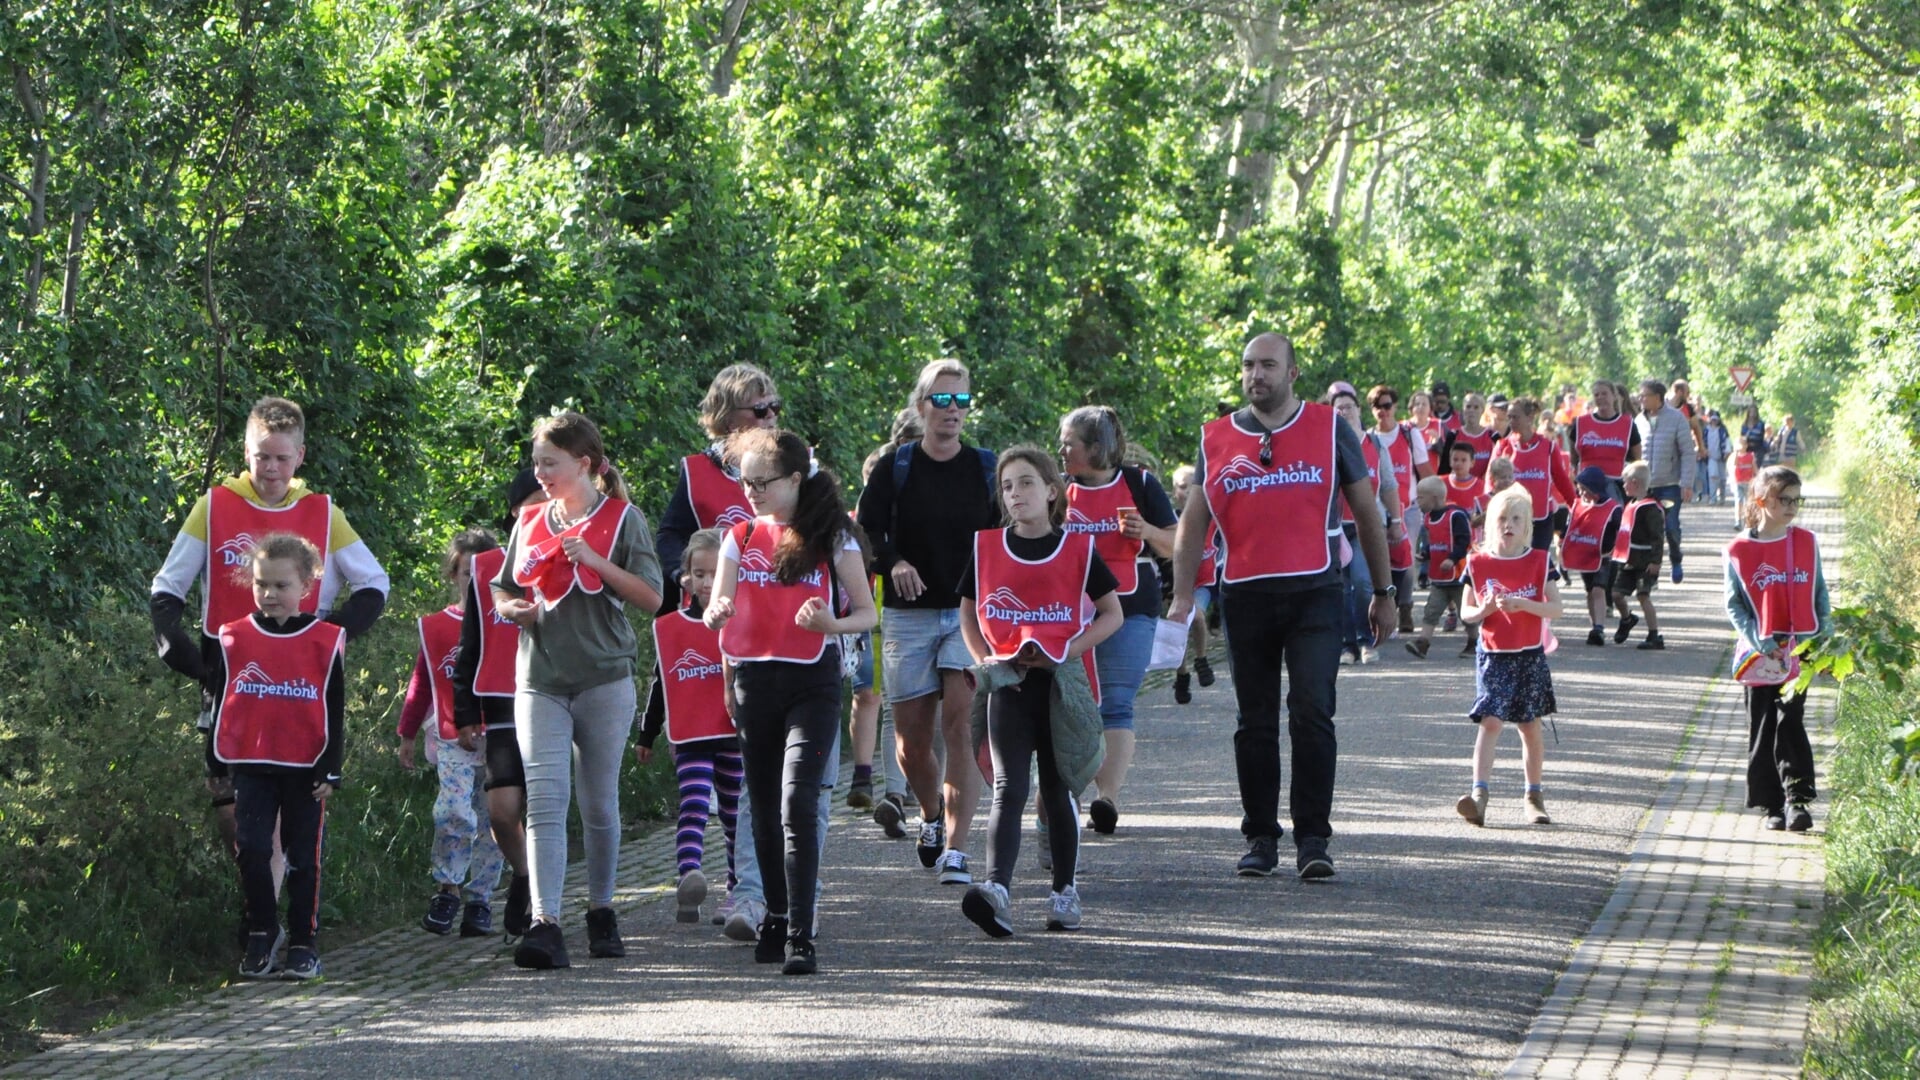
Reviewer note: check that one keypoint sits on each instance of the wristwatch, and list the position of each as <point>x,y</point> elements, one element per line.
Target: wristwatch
<point>1388,591</point>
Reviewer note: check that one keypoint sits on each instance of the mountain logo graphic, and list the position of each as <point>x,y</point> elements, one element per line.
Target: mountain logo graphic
<point>755,559</point>
<point>234,550</point>
<point>447,661</point>
<point>731,516</point>
<point>1241,465</point>
<point>693,665</point>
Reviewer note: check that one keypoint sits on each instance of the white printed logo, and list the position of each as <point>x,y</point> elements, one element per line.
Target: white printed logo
<point>1001,605</point>
<point>253,681</point>
<point>731,516</point>
<point>1079,522</point>
<point>693,665</point>
<point>447,661</point>
<point>757,569</point>
<point>1766,575</point>
<point>234,551</point>
<point>1245,474</point>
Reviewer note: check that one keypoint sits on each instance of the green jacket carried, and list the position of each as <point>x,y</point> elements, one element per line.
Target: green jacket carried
<point>1079,742</point>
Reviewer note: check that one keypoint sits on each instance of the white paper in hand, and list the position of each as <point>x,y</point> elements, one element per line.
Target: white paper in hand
<point>1169,644</point>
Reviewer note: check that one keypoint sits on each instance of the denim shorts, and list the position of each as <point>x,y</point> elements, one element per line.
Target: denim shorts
<point>917,647</point>
<point>863,674</point>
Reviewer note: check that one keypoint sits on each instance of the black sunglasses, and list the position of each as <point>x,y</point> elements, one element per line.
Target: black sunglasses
<point>941,401</point>
<point>1266,450</point>
<point>771,408</point>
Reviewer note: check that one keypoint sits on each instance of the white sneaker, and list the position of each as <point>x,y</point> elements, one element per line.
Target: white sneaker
<point>743,924</point>
<point>986,905</point>
<point>1063,909</point>
<point>688,895</point>
<point>1368,655</point>
<point>952,866</point>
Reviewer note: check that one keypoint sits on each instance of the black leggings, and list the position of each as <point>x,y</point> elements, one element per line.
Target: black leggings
<point>261,798</point>
<point>789,719</point>
<point>1019,729</point>
<point>1779,755</point>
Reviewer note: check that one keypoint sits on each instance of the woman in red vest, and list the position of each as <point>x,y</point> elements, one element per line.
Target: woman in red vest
<point>792,580</point>
<point>1037,598</point>
<point>1777,599</point>
<point>706,494</point>
<point>466,860</point>
<point>1539,465</point>
<point>1513,600</point>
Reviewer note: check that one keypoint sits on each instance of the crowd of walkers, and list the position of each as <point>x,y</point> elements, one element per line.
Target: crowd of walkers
<point>997,612</point>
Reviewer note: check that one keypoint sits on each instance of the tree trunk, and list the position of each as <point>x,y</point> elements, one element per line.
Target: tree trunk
<point>1342,164</point>
<point>1304,175</point>
<point>76,248</point>
<point>1250,170</point>
<point>722,82</point>
<point>1378,169</point>
<point>36,195</point>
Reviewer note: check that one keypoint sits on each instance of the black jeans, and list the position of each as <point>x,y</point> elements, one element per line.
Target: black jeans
<point>789,718</point>
<point>259,798</point>
<point>1779,756</point>
<point>1019,729</point>
<point>1302,631</point>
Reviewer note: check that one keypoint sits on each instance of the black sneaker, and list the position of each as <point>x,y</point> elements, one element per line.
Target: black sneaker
<point>1262,857</point>
<point>603,934</point>
<point>890,813</point>
<point>542,947</point>
<point>1625,630</point>
<point>1312,861</point>
<point>440,912</point>
<point>1182,688</point>
<point>303,963</point>
<point>1776,821</point>
<point>1654,642</point>
<point>860,794</point>
<point>519,913</point>
<point>1203,671</point>
<point>1597,636</point>
<point>1800,820</point>
<point>933,840</point>
<point>800,959</point>
<point>771,948</point>
<point>476,920</point>
<point>1102,815</point>
<point>263,954</point>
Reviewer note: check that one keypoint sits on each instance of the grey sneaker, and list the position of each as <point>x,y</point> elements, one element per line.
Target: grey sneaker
<point>953,868</point>
<point>986,905</point>
<point>1537,809</point>
<point>1473,806</point>
<point>743,922</point>
<point>687,896</point>
<point>890,813</point>
<point>1063,909</point>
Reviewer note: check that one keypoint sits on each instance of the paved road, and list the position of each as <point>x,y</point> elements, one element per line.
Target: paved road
<point>1429,955</point>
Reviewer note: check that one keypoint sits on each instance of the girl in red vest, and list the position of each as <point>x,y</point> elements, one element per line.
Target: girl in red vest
<point>466,861</point>
<point>1593,527</point>
<point>1513,600</point>
<point>1777,598</point>
<point>1037,598</point>
<point>783,576</point>
<point>688,701</point>
<point>279,685</point>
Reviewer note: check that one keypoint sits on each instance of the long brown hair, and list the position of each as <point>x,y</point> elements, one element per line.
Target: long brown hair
<point>1767,483</point>
<point>819,516</point>
<point>1049,470</point>
<point>579,436</point>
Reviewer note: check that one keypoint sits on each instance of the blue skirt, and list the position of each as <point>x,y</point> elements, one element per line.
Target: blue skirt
<point>1515,687</point>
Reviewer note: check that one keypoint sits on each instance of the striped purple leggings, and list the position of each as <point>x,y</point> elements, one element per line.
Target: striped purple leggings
<point>706,777</point>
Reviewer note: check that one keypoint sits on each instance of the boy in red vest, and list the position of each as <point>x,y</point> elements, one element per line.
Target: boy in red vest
<point>214,541</point>
<point>1593,524</point>
<point>1449,538</point>
<point>1636,557</point>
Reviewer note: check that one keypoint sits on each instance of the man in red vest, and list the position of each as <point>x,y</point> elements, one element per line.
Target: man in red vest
<point>1272,475</point>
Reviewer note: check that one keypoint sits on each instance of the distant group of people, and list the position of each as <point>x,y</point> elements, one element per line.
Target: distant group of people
<point>1021,591</point>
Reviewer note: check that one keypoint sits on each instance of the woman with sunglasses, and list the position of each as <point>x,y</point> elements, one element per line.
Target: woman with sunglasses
<point>920,509</point>
<point>1357,637</point>
<point>707,494</point>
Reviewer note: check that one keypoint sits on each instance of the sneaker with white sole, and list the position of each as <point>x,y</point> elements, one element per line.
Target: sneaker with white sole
<point>687,896</point>
<point>986,905</point>
<point>933,840</point>
<point>952,866</point>
<point>1063,909</point>
<point>263,953</point>
<point>890,813</point>
<point>441,911</point>
<point>303,963</point>
<point>743,922</point>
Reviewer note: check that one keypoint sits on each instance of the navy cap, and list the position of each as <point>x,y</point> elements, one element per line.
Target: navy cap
<point>1594,479</point>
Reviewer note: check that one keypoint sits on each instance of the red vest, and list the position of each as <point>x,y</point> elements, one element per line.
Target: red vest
<point>440,644</point>
<point>1095,512</point>
<point>1532,470</point>
<point>1452,422</point>
<point>1603,442</point>
<point>273,708</point>
<point>1623,539</point>
<point>718,502</point>
<point>1524,577</point>
<point>1465,496</point>
<point>1209,571</point>
<point>1743,467</point>
<point>234,525</point>
<point>1401,456</point>
<point>1274,520</point>
<point>1433,433</point>
<point>1586,527</point>
<point>1040,603</point>
<point>1776,577</point>
<point>691,681</point>
<point>1440,545</point>
<point>499,635</point>
<point>545,568</point>
<point>1482,449</point>
<point>762,627</point>
<point>1371,454</point>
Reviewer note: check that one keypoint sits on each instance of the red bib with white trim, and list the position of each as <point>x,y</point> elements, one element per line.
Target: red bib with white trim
<point>1586,527</point>
<point>1743,467</point>
<point>1371,454</point>
<point>1209,570</point>
<point>1623,539</point>
<point>273,708</point>
<point>691,681</point>
<point>1095,512</point>
<point>1524,577</point>
<point>1603,442</point>
<point>1452,422</point>
<point>1482,449</point>
<point>544,566</point>
<point>234,526</point>
<point>1532,470</point>
<point>762,626</point>
<point>1440,545</point>
<point>1021,603</point>
<point>1433,433</point>
<point>1777,578</point>
<point>718,502</point>
<point>1401,456</point>
<point>1466,496</point>
<point>493,676</point>
<point>440,644</point>
<point>1274,518</point>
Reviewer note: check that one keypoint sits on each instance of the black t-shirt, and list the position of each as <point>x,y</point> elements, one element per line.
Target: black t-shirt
<point>1350,466</point>
<point>1100,580</point>
<point>930,524</point>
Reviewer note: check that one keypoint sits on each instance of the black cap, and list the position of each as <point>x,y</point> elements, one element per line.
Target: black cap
<point>523,486</point>
<point>1497,401</point>
<point>1440,387</point>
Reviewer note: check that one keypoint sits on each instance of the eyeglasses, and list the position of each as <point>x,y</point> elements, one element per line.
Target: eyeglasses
<point>759,486</point>
<point>942,401</point>
<point>1266,450</point>
<point>1789,502</point>
<point>771,408</point>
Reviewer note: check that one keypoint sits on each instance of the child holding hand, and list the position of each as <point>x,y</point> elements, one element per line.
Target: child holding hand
<point>1512,598</point>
